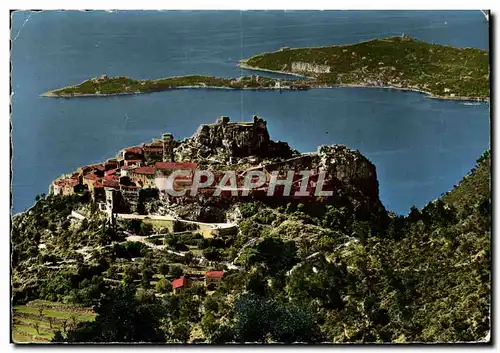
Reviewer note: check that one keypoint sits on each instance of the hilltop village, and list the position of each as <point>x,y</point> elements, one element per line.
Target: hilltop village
<point>139,173</point>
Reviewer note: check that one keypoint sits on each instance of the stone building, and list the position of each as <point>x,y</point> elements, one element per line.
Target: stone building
<point>213,277</point>
<point>180,284</point>
<point>153,151</point>
<point>168,147</point>
<point>143,177</point>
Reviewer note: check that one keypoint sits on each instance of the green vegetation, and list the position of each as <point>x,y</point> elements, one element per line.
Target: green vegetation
<point>39,321</point>
<point>399,62</point>
<point>403,62</point>
<point>125,85</point>
<point>294,272</point>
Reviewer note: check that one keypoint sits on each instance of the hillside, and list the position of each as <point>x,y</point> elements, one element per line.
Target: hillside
<point>399,62</point>
<point>324,269</point>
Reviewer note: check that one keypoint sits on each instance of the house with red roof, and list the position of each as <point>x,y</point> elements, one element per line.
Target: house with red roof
<point>132,153</point>
<point>65,186</point>
<point>213,277</point>
<point>180,283</point>
<point>143,176</point>
<point>153,150</point>
<point>111,163</point>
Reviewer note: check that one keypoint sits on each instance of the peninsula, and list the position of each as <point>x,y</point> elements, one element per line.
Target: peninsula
<point>111,86</point>
<point>395,62</point>
<point>401,62</point>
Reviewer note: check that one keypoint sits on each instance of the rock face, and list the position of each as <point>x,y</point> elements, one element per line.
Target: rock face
<point>303,67</point>
<point>227,141</point>
<point>353,174</point>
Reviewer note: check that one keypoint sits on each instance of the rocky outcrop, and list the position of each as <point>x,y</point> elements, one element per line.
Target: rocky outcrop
<point>354,176</point>
<point>348,166</point>
<point>227,141</point>
<point>303,67</point>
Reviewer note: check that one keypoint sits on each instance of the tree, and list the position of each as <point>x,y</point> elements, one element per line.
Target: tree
<point>176,271</point>
<point>181,331</point>
<point>64,324</point>
<point>146,275</point>
<point>214,331</point>
<point>212,254</point>
<point>163,286</point>
<point>122,318</point>
<point>189,258</point>
<point>259,319</point>
<point>277,255</point>
<point>163,268</point>
<point>74,321</point>
<point>130,274</point>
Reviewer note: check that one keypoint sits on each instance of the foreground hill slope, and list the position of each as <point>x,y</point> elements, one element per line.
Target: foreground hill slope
<point>342,270</point>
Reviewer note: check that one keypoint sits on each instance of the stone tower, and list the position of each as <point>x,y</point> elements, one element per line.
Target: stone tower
<point>168,147</point>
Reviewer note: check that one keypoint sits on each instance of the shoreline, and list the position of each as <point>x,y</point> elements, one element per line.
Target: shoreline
<point>89,95</point>
<point>243,65</point>
<point>361,85</point>
<point>325,86</point>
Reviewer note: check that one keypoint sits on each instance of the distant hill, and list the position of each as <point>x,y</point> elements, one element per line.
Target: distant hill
<point>400,62</point>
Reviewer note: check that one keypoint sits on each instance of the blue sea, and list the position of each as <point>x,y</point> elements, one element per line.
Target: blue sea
<point>420,146</point>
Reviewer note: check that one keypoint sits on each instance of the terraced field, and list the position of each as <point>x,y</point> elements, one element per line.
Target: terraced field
<point>38,321</point>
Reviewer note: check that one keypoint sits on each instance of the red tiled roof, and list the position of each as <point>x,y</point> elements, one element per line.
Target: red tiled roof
<point>111,171</point>
<point>98,185</point>
<point>136,149</point>
<point>176,165</point>
<point>91,177</point>
<point>59,182</point>
<point>179,282</point>
<point>72,182</point>
<point>112,177</point>
<point>153,148</point>
<point>144,170</point>
<point>154,143</point>
<point>110,184</point>
<point>214,274</point>
<point>88,168</point>
<point>75,175</point>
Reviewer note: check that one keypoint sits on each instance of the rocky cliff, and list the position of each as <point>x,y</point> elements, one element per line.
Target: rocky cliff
<point>354,176</point>
<point>229,142</point>
<point>351,176</point>
<point>304,67</point>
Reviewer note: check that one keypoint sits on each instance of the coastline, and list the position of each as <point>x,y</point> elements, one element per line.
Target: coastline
<point>244,65</point>
<point>50,94</point>
<point>82,95</point>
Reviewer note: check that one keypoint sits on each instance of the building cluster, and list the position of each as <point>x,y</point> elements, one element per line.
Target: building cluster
<point>116,185</point>
<point>212,279</point>
<point>134,168</point>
